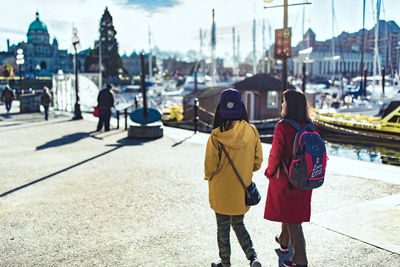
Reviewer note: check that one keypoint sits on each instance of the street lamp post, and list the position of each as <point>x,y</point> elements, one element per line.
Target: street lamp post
<point>77,109</point>
<point>20,60</point>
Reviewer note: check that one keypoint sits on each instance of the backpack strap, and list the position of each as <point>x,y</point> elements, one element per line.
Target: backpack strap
<point>293,123</point>
<point>310,125</point>
<point>297,126</point>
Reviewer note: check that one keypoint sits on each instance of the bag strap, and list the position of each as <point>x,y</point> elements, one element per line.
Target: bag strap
<point>285,168</point>
<point>311,126</point>
<point>234,168</point>
<point>294,123</point>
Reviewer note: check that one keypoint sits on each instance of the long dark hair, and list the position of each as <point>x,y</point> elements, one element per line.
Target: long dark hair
<point>297,107</point>
<point>226,124</point>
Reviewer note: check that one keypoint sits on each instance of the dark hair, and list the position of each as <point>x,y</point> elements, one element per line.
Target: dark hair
<point>297,107</point>
<point>226,124</point>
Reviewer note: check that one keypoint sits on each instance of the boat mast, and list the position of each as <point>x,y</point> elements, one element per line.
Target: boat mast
<point>238,52</point>
<point>362,48</point>
<point>269,50</point>
<point>201,51</point>
<point>377,63</point>
<point>150,58</point>
<point>254,42</point>
<point>234,68</point>
<point>100,61</point>
<point>263,48</point>
<point>333,41</point>
<point>213,44</point>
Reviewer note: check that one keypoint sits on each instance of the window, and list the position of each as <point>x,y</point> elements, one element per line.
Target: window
<point>395,119</point>
<point>272,99</point>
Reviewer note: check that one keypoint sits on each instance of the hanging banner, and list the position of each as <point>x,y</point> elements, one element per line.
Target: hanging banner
<point>283,48</point>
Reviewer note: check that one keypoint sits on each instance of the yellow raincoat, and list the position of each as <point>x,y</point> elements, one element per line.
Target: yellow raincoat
<point>242,142</point>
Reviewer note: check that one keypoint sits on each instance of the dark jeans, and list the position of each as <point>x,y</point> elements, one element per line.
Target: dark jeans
<point>104,118</point>
<point>294,234</point>
<point>223,229</point>
<point>8,105</point>
<point>46,112</point>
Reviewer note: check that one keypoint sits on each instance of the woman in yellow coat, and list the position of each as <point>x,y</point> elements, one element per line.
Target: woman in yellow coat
<point>226,194</point>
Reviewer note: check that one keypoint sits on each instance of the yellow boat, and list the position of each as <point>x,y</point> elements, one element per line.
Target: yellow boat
<point>384,129</point>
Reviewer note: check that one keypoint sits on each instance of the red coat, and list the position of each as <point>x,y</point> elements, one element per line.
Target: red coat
<point>284,203</point>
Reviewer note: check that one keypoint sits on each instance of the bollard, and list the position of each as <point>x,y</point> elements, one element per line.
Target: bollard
<point>117,119</point>
<point>303,85</point>
<point>195,118</point>
<point>365,82</point>
<point>383,82</point>
<point>126,118</point>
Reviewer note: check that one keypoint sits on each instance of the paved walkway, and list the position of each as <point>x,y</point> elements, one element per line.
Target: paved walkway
<point>71,196</point>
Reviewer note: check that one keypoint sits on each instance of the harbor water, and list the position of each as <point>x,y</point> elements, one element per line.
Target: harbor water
<point>365,152</point>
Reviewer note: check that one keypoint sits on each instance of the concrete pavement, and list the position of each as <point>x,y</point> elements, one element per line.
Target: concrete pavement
<point>71,196</point>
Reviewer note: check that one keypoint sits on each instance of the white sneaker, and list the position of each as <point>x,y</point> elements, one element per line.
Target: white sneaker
<point>255,263</point>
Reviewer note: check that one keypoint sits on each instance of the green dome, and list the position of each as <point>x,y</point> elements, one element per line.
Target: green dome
<point>37,24</point>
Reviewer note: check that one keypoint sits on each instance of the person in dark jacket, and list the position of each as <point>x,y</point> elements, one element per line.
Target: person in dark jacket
<point>105,101</point>
<point>286,204</point>
<point>45,100</point>
<point>7,96</point>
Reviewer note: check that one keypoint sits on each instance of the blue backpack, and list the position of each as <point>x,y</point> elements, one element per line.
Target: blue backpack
<point>307,169</point>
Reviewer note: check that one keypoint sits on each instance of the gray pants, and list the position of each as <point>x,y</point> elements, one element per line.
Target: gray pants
<point>223,229</point>
<point>293,233</point>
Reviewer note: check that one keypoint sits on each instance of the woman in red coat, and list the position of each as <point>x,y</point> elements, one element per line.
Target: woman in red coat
<point>287,204</point>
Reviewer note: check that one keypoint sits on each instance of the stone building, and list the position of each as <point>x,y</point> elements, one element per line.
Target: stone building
<point>321,63</point>
<point>42,58</point>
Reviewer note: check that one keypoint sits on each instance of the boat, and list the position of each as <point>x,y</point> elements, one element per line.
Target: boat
<point>203,82</point>
<point>383,129</point>
<point>361,106</point>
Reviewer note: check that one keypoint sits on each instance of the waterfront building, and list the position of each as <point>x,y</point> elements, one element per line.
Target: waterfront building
<point>132,64</point>
<point>321,63</point>
<point>42,58</point>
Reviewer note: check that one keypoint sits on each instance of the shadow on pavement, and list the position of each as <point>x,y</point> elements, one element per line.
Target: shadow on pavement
<point>131,142</point>
<point>8,125</point>
<point>8,115</point>
<point>180,142</point>
<point>120,143</point>
<point>65,140</point>
<point>27,125</point>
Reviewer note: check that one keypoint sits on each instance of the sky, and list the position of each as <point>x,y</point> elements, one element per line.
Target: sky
<point>175,24</point>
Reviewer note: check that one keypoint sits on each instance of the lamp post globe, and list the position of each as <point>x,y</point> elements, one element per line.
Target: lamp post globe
<point>77,108</point>
<point>20,61</point>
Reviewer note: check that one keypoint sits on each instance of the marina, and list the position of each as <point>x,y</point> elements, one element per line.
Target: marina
<point>106,116</point>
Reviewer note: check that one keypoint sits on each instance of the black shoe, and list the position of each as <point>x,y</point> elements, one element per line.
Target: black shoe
<point>216,264</point>
<point>282,248</point>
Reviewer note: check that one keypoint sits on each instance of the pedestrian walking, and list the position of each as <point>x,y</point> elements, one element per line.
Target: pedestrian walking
<point>105,101</point>
<point>45,100</point>
<point>7,96</point>
<point>241,141</point>
<point>285,203</point>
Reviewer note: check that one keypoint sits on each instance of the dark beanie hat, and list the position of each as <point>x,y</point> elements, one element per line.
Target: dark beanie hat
<point>230,102</point>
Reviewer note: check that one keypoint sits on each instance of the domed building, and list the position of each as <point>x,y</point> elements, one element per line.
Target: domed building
<point>42,58</point>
